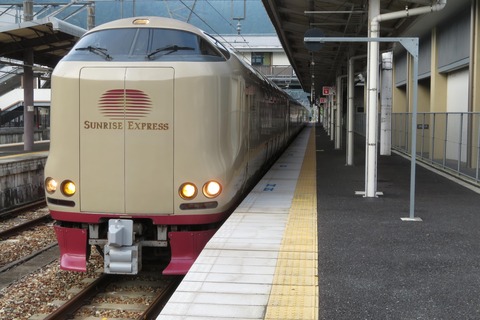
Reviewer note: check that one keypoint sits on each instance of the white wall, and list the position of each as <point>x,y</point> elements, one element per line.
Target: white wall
<point>15,96</point>
<point>280,59</point>
<point>457,91</point>
<point>457,101</point>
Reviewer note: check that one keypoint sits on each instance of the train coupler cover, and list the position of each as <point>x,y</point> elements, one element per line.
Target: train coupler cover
<point>123,260</point>
<point>122,255</point>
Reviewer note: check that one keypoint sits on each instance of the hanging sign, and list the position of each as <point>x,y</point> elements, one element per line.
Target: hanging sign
<point>313,33</point>
<point>328,91</point>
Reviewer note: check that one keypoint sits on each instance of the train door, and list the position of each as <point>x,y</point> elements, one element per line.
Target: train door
<point>126,140</point>
<point>149,143</point>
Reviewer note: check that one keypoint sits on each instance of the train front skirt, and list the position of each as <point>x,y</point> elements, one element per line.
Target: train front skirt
<point>122,254</point>
<point>185,248</point>
<point>73,250</point>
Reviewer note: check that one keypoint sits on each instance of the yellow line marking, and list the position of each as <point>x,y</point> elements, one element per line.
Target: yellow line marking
<point>294,293</point>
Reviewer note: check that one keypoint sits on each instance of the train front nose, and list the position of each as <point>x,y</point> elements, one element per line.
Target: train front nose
<point>126,140</point>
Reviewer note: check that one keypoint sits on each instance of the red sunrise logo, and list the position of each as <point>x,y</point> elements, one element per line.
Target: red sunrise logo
<point>125,104</point>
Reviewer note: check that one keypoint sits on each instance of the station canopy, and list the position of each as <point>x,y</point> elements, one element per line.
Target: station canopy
<point>49,38</point>
<point>341,18</point>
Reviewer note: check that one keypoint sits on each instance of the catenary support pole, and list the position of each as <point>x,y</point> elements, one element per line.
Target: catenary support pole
<point>91,16</point>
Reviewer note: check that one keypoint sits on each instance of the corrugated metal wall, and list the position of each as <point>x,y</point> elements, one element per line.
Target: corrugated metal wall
<point>453,46</point>
<point>454,43</point>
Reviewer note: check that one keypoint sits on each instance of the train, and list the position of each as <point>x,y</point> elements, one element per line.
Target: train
<point>157,132</point>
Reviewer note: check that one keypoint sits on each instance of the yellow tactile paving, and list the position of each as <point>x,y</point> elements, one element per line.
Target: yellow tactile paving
<point>294,293</point>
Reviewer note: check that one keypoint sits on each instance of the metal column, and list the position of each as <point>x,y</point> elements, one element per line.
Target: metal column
<point>28,107</point>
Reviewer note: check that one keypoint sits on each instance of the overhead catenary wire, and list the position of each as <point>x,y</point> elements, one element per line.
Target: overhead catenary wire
<point>213,29</point>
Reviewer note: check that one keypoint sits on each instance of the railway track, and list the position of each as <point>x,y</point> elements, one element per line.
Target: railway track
<point>24,226</point>
<point>24,235</point>
<point>122,297</point>
<point>140,297</point>
<point>25,207</point>
<point>26,258</point>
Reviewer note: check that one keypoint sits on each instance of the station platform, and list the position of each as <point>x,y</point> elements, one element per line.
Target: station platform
<point>262,263</point>
<point>21,174</point>
<point>303,245</point>
<point>373,265</point>
<point>16,150</point>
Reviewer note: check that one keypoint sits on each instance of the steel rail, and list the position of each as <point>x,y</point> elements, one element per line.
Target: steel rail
<point>68,309</point>
<point>26,258</point>
<point>24,226</point>
<point>157,305</point>
<point>26,206</point>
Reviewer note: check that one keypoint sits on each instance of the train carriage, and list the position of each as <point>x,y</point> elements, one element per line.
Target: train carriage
<point>157,130</point>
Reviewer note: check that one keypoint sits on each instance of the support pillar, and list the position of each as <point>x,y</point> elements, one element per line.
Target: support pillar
<point>331,127</point>
<point>339,114</point>
<point>372,103</point>
<point>350,110</point>
<point>28,106</point>
<point>386,104</point>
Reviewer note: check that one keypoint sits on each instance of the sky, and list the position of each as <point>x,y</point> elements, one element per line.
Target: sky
<point>212,16</point>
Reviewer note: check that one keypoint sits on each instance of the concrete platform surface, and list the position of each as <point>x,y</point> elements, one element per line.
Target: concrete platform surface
<point>373,265</point>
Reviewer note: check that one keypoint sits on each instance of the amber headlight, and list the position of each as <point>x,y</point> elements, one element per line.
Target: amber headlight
<point>68,188</point>
<point>50,185</point>
<point>212,189</point>
<point>188,191</point>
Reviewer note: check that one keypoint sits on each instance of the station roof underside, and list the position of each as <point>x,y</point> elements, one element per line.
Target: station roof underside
<point>49,38</point>
<point>342,18</point>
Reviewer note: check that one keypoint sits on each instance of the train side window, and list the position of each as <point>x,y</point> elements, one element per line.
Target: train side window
<point>168,44</point>
<point>207,49</point>
<point>219,46</point>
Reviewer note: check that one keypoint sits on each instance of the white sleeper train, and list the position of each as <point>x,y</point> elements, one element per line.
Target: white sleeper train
<point>157,130</point>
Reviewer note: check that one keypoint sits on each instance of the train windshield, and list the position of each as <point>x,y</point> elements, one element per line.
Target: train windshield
<point>144,44</point>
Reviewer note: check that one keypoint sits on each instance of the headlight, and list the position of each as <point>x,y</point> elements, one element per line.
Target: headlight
<point>212,189</point>
<point>50,185</point>
<point>188,191</point>
<point>68,188</point>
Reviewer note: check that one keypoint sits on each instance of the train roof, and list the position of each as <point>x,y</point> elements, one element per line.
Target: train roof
<point>148,22</point>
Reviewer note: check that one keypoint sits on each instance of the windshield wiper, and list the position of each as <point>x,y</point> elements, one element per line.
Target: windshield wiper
<point>169,48</point>
<point>100,51</point>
